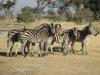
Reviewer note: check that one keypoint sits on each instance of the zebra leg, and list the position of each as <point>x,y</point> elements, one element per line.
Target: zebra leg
<point>64,51</point>
<point>28,44</point>
<point>9,47</point>
<point>39,50</point>
<point>46,47</point>
<point>42,47</point>
<point>86,45</point>
<point>68,42</point>
<point>66,46</point>
<point>17,48</point>
<point>82,48</point>
<point>33,44</point>
<point>62,47</point>
<point>72,44</point>
<point>23,49</point>
<point>51,47</point>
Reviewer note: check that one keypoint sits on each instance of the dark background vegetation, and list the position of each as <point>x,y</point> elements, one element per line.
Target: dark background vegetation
<point>85,11</point>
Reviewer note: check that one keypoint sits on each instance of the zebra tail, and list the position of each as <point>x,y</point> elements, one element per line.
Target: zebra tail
<point>7,40</point>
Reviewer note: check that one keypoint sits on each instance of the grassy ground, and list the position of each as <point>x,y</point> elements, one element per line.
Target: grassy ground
<point>72,64</point>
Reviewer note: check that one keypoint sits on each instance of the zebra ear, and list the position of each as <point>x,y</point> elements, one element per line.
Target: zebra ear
<point>51,25</point>
<point>24,28</point>
<point>60,25</point>
<point>90,24</point>
<point>77,28</point>
<point>73,28</point>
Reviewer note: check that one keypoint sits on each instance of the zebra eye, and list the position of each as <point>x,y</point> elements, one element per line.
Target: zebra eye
<point>93,27</point>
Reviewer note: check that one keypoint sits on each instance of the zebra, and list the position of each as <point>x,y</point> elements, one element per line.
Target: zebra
<point>37,36</point>
<point>83,36</point>
<point>12,37</point>
<point>65,39</point>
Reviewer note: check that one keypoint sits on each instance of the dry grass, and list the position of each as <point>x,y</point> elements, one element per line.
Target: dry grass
<point>72,64</point>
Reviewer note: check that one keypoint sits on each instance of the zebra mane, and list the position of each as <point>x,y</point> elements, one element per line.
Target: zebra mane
<point>42,26</point>
<point>85,28</point>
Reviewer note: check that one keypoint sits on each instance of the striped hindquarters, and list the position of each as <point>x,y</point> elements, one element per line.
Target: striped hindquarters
<point>58,38</point>
<point>13,35</point>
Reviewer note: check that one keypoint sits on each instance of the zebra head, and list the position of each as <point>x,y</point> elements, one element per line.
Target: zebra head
<point>92,29</point>
<point>75,29</point>
<point>58,29</point>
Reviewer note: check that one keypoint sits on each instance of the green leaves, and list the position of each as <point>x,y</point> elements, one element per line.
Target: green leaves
<point>8,5</point>
<point>26,16</point>
<point>85,16</point>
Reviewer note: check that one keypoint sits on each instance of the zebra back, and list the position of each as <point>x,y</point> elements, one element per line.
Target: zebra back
<point>41,26</point>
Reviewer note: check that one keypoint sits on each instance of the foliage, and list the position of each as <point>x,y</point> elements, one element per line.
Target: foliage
<point>8,5</point>
<point>85,16</point>
<point>93,5</point>
<point>2,17</point>
<point>27,8</point>
<point>51,12</point>
<point>26,16</point>
<point>54,17</point>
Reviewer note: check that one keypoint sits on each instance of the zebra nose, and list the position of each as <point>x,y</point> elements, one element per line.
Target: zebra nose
<point>98,32</point>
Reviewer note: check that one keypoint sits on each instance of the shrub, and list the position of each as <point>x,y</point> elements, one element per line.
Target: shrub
<point>54,17</point>
<point>2,17</point>
<point>26,16</point>
<point>47,17</point>
<point>85,16</point>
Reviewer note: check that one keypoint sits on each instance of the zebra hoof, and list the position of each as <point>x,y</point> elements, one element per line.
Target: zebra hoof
<point>73,52</point>
<point>64,54</point>
<point>32,55</point>
<point>24,56</point>
<point>15,55</point>
<point>53,53</point>
<point>86,53</point>
<point>82,53</point>
<point>42,55</point>
<point>8,54</point>
<point>47,54</point>
<point>39,55</point>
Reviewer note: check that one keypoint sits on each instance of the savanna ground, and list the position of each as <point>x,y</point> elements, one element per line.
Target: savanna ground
<point>72,64</point>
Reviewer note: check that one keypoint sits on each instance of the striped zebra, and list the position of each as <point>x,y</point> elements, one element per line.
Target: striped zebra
<point>65,39</point>
<point>37,36</point>
<point>83,36</point>
<point>12,37</point>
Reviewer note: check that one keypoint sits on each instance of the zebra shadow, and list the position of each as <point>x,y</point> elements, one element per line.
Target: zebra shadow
<point>55,49</point>
<point>3,53</point>
<point>13,53</point>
